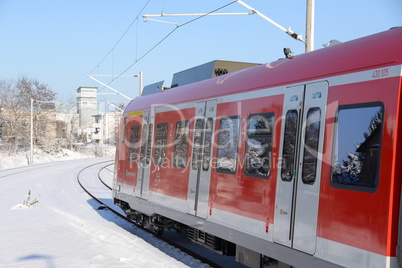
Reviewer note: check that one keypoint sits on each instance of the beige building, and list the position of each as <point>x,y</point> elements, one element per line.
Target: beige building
<point>61,125</point>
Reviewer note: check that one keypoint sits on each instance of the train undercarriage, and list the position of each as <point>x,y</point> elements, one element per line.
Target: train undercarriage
<point>157,224</point>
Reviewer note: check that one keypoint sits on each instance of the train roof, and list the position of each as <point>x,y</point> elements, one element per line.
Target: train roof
<point>363,53</point>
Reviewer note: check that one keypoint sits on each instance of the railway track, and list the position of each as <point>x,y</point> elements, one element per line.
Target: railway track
<point>98,195</point>
<point>14,171</point>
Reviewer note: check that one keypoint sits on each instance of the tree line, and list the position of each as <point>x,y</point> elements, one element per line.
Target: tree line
<point>15,111</point>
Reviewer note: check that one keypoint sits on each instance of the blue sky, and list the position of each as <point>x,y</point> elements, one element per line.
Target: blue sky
<point>59,42</point>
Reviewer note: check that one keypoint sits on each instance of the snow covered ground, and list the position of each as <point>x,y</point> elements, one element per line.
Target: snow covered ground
<point>63,229</point>
<point>42,156</point>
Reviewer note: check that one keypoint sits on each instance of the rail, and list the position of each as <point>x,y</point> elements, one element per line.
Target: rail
<point>104,205</point>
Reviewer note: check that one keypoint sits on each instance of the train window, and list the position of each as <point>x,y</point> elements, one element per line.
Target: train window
<point>207,144</point>
<point>124,131</point>
<point>160,144</point>
<point>311,139</point>
<point>288,171</point>
<point>143,143</point>
<point>259,145</point>
<point>357,144</point>
<point>181,144</point>
<point>227,144</point>
<point>197,146</point>
<point>133,143</point>
<point>149,142</point>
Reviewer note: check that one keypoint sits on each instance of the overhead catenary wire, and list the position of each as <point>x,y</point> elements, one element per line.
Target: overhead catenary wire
<point>122,36</point>
<point>169,34</point>
<point>157,44</point>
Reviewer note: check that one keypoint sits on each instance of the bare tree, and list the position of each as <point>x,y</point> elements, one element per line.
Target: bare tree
<point>32,88</point>
<point>15,109</point>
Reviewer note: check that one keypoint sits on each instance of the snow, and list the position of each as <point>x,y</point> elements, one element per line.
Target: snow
<point>22,158</point>
<point>64,228</point>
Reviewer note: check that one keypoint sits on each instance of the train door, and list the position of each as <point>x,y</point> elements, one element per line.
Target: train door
<point>298,185</point>
<point>200,170</point>
<point>144,167</point>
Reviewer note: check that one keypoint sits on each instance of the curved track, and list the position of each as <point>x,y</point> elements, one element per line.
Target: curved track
<point>97,188</point>
<point>100,177</point>
<point>65,229</point>
<point>24,169</point>
<point>93,189</point>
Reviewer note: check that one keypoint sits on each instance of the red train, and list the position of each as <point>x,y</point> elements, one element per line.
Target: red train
<point>297,161</point>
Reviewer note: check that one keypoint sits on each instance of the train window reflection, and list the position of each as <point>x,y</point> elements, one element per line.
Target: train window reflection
<point>207,144</point>
<point>197,146</point>
<point>181,144</point>
<point>160,144</point>
<point>357,145</point>
<point>259,145</point>
<point>143,143</point>
<point>288,171</point>
<point>311,141</point>
<point>227,145</point>
<point>149,142</point>
<point>133,143</point>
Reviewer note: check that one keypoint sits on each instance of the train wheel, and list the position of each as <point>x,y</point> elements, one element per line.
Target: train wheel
<point>157,230</point>
<point>139,220</point>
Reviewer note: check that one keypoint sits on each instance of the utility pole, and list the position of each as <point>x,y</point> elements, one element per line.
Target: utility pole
<point>310,25</point>
<point>31,140</point>
<point>140,78</point>
<point>31,161</point>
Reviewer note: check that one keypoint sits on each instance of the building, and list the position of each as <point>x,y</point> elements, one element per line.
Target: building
<point>87,106</point>
<point>208,70</point>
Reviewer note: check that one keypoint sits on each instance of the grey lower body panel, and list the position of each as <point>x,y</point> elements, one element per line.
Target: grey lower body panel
<point>268,248</point>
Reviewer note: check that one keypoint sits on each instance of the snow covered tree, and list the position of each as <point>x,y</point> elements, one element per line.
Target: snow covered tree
<point>360,166</point>
<point>348,172</point>
<point>375,122</point>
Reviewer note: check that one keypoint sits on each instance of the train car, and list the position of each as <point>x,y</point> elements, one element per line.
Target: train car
<point>297,161</point>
